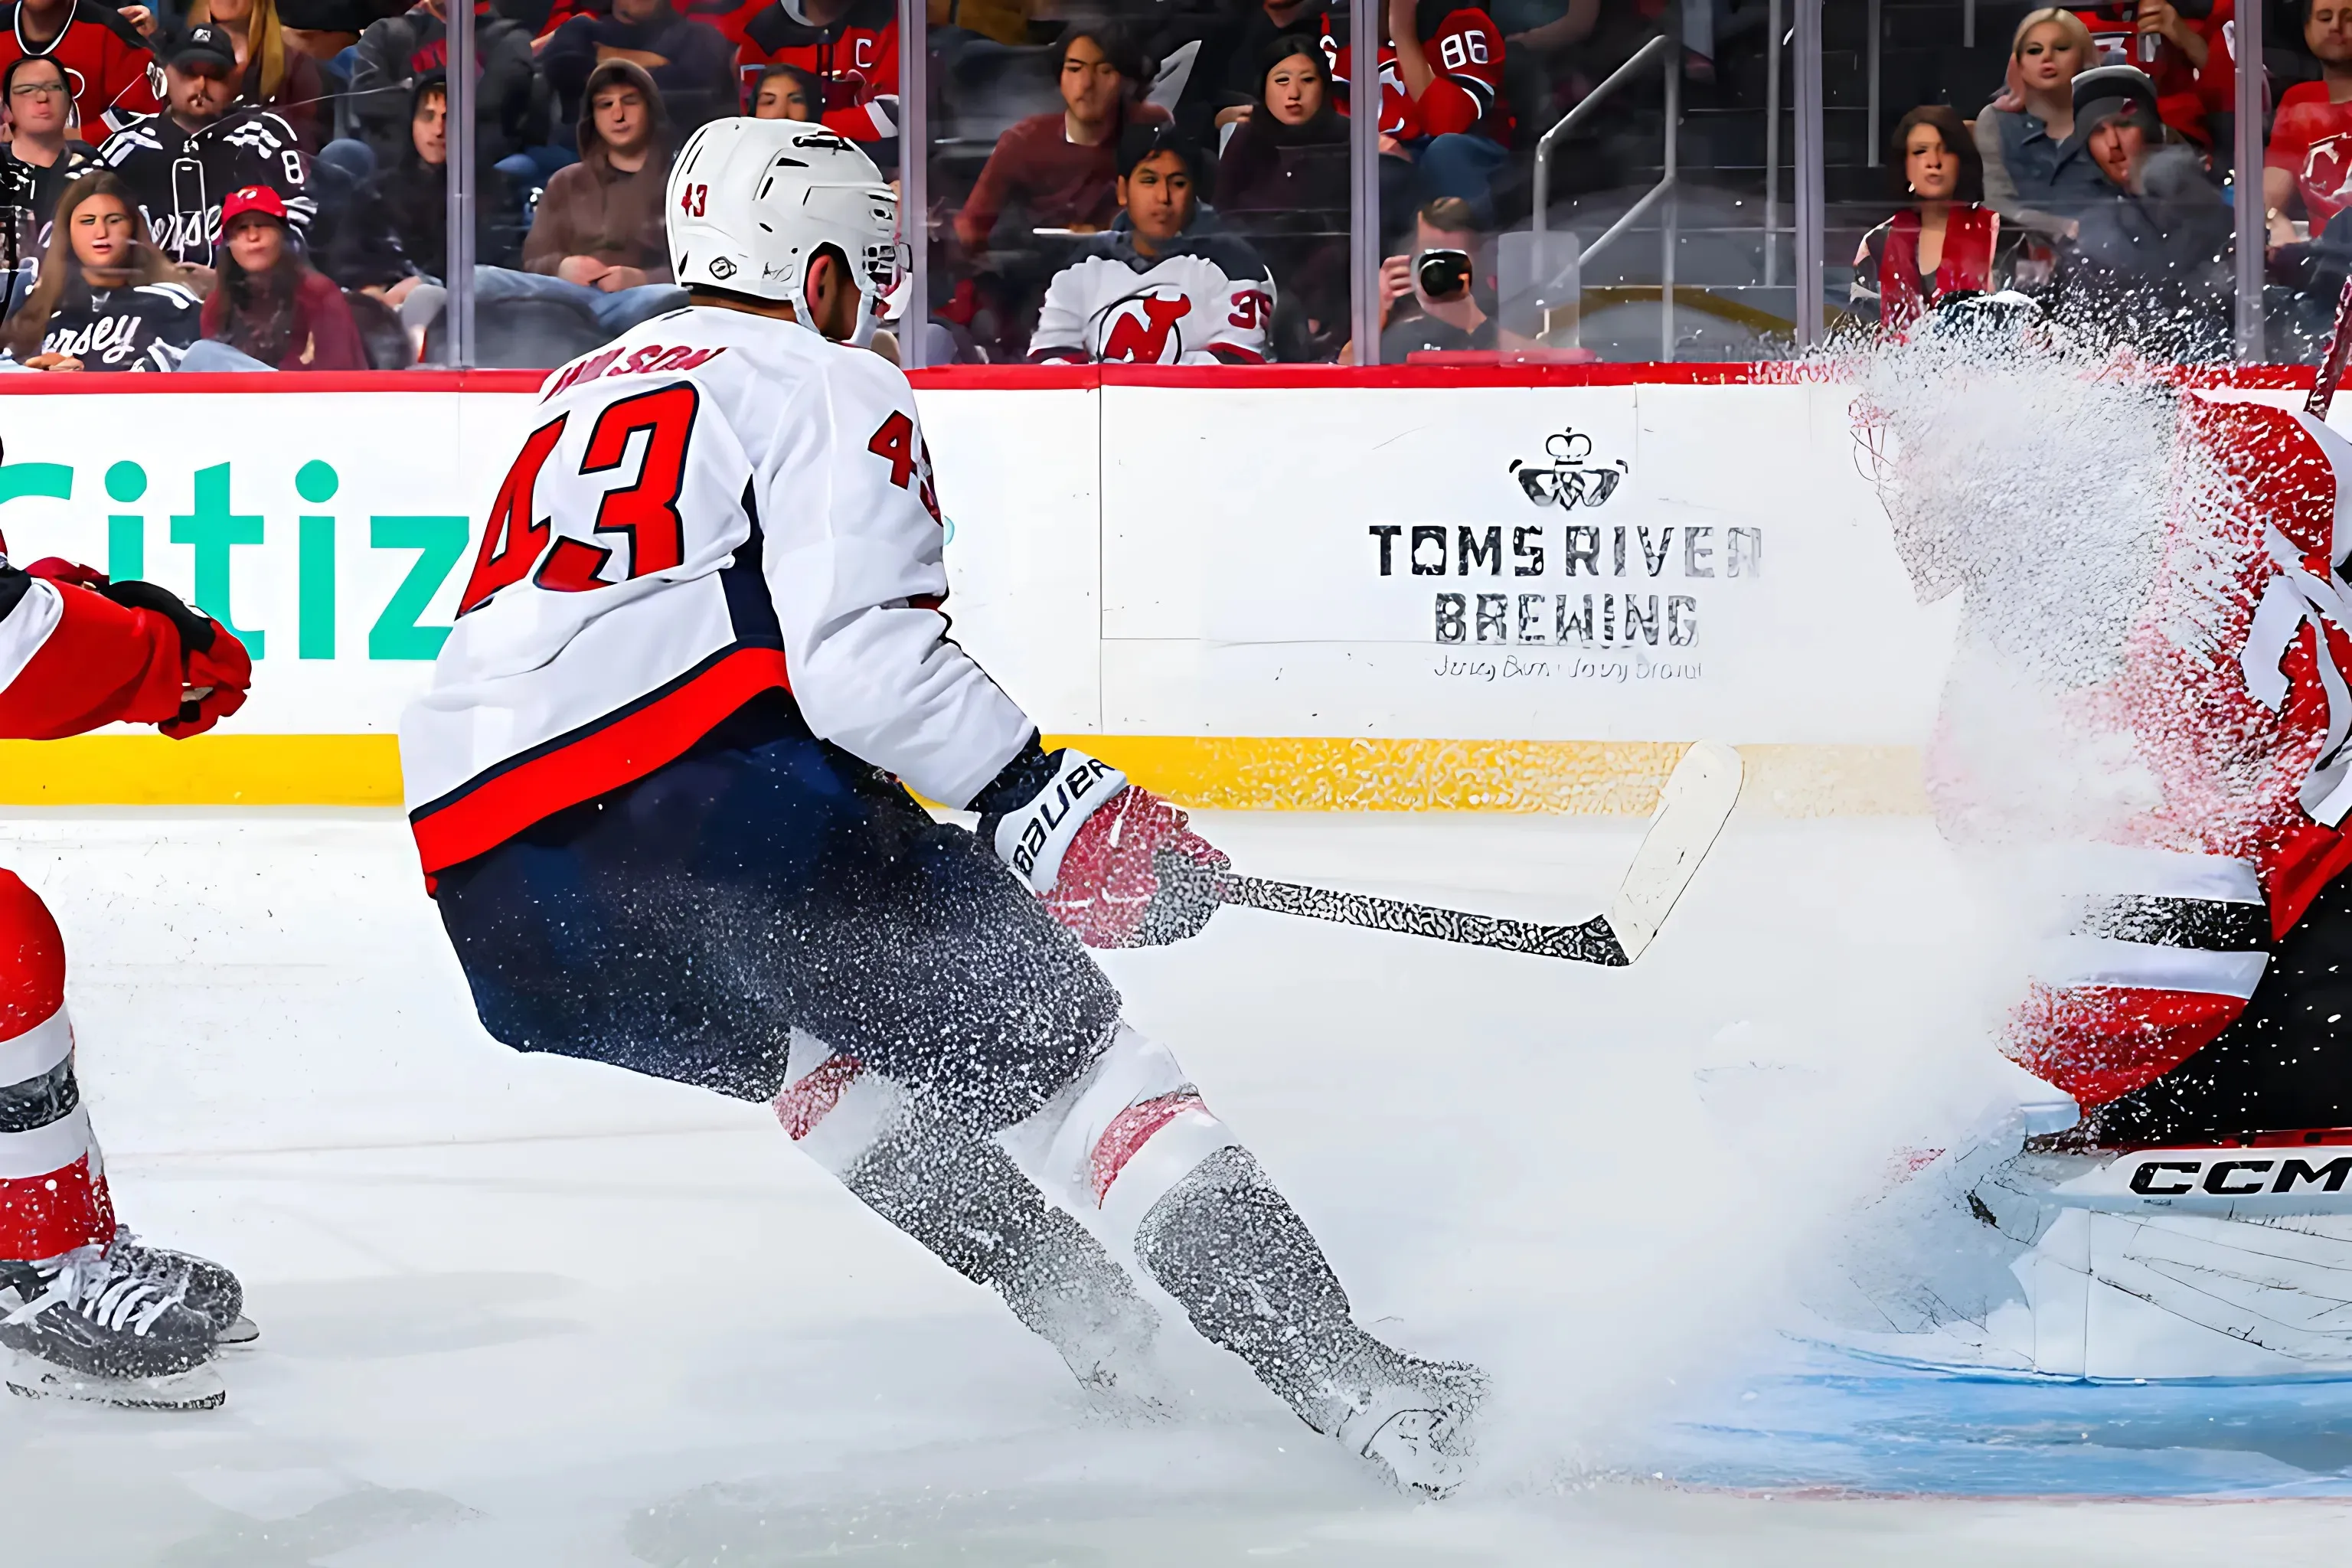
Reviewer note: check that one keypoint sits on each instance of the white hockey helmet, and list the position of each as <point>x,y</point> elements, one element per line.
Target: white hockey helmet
<point>751,201</point>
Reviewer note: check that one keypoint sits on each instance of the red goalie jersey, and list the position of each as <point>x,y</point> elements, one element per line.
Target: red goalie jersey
<point>2196,994</point>
<point>1465,52</point>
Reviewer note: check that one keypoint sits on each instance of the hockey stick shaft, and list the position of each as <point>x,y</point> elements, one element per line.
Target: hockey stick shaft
<point>1697,797</point>
<point>1590,942</point>
<point>2331,364</point>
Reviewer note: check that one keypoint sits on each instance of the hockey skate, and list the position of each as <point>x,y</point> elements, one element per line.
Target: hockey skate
<point>1408,1416</point>
<point>1228,1247</point>
<point>206,1289</point>
<point>95,1326</point>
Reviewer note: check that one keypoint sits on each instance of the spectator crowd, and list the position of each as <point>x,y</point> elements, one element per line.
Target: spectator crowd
<point>265,183</point>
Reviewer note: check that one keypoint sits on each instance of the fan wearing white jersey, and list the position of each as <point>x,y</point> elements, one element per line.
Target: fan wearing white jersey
<point>660,787</point>
<point>1166,285</point>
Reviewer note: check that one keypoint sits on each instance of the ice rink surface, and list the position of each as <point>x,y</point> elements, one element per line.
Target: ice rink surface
<point>521,1310</point>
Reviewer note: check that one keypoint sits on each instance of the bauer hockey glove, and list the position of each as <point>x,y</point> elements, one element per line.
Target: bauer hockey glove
<point>215,671</point>
<point>1114,863</point>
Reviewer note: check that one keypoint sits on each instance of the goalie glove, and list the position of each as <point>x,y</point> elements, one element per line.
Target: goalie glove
<point>1114,863</point>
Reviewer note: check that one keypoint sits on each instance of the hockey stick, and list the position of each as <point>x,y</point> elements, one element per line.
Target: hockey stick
<point>1698,796</point>
<point>2331,364</point>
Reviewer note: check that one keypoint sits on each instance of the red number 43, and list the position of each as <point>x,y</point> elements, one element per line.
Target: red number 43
<point>644,513</point>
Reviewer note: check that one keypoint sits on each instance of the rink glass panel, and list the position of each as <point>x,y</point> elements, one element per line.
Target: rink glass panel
<point>1774,118</point>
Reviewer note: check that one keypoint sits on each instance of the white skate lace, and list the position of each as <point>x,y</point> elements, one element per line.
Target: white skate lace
<point>109,1290</point>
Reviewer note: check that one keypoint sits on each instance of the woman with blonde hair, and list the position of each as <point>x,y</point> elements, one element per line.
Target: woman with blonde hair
<point>2037,174</point>
<point>274,77</point>
<point>107,298</point>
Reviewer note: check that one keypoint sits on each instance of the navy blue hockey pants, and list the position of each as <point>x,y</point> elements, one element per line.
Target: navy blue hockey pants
<point>683,925</point>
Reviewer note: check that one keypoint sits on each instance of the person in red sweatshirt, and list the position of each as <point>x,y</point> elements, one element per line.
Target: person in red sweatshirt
<point>90,1312</point>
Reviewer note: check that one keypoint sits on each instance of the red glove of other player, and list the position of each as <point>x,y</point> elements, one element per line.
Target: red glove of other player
<point>1114,863</point>
<point>215,670</point>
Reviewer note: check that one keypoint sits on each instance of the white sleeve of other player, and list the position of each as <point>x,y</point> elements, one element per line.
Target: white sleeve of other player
<point>1240,311</point>
<point>1061,333</point>
<point>855,567</point>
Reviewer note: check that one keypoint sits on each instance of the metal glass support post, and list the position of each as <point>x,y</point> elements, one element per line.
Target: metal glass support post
<point>1364,183</point>
<point>1777,28</point>
<point>1810,200</point>
<point>457,314</point>
<point>1969,23</point>
<point>1876,24</point>
<point>1670,232</point>
<point>2254,232</point>
<point>915,176</point>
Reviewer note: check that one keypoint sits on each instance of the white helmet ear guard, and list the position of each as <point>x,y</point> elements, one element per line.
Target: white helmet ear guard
<point>751,201</point>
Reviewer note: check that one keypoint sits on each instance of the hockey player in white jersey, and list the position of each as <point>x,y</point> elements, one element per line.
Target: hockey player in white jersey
<point>1167,284</point>
<point>660,787</point>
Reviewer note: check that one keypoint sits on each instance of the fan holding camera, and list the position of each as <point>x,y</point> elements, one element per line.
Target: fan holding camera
<point>1428,297</point>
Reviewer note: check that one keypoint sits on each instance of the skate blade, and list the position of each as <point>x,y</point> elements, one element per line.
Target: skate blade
<point>198,1388</point>
<point>240,1335</point>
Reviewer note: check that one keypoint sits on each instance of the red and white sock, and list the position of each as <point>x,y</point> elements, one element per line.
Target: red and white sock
<point>52,1182</point>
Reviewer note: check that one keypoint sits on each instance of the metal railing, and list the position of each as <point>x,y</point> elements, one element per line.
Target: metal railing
<point>1661,48</point>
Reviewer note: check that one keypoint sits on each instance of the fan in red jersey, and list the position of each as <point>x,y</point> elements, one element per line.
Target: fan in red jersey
<point>1441,63</point>
<point>107,64</point>
<point>90,1312</point>
<point>850,46</point>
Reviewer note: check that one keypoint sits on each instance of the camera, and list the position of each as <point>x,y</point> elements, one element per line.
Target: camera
<point>1443,274</point>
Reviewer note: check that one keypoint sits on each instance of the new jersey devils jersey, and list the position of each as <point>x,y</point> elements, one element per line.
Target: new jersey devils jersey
<point>182,177</point>
<point>713,506</point>
<point>1206,301</point>
<point>149,327</point>
<point>112,74</point>
<point>855,57</point>
<point>1465,50</point>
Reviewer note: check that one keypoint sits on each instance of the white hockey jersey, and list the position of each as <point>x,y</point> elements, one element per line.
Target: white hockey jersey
<point>714,505</point>
<point>1207,300</point>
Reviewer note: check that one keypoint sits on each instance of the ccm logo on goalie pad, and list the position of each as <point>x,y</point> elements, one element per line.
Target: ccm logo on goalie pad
<point>1033,839</point>
<point>2241,1177</point>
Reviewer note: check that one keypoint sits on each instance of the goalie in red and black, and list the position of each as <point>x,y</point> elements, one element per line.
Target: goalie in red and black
<point>89,1312</point>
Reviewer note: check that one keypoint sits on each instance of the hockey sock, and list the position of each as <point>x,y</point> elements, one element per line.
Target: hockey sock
<point>1235,1255</point>
<point>1132,1146</point>
<point>961,1196</point>
<point>52,1186</point>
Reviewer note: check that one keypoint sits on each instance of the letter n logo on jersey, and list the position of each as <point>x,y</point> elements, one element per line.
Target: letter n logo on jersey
<point>1141,328</point>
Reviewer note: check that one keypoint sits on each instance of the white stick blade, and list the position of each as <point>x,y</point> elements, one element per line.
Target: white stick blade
<point>1699,796</point>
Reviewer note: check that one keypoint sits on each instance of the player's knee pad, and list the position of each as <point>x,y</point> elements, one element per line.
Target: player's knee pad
<point>1119,1137</point>
<point>52,1190</point>
<point>834,1108</point>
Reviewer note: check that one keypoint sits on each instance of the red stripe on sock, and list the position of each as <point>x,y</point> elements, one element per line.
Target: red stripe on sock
<point>41,1217</point>
<point>1129,1131</point>
<point>811,1099</point>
